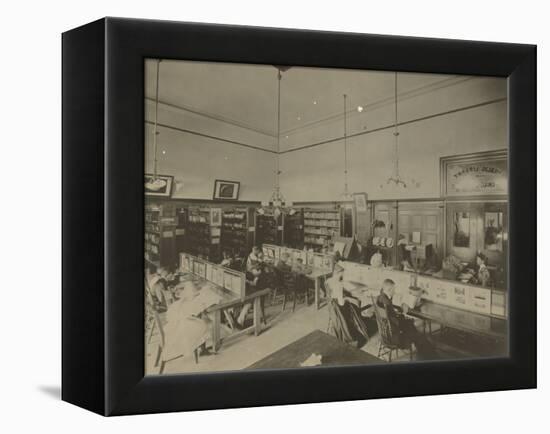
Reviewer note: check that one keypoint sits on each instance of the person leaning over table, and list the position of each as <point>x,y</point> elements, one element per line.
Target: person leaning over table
<point>227,259</point>
<point>406,331</point>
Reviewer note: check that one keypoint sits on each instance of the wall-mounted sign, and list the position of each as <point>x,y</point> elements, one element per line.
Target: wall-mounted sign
<point>481,174</point>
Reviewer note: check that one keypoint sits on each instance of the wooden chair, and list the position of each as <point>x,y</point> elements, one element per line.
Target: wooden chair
<point>389,335</point>
<point>290,284</point>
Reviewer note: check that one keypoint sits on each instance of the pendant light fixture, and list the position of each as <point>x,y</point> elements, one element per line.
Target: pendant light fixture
<point>277,199</point>
<point>156,183</point>
<point>395,180</point>
<point>346,195</point>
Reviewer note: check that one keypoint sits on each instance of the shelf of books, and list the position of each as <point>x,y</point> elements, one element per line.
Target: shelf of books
<point>203,232</point>
<point>160,224</point>
<point>237,231</point>
<point>293,229</point>
<point>269,227</point>
<point>320,227</point>
<point>181,225</point>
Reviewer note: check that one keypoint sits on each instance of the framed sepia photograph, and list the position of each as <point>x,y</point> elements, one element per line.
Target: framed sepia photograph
<point>226,190</point>
<point>371,232</point>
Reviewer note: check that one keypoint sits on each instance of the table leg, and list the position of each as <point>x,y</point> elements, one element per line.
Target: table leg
<point>257,316</point>
<point>216,326</point>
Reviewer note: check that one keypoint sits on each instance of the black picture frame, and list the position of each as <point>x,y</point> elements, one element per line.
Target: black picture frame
<point>103,158</point>
<point>221,183</point>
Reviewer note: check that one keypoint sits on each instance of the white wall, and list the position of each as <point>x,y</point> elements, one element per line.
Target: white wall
<point>316,173</point>
<point>196,161</point>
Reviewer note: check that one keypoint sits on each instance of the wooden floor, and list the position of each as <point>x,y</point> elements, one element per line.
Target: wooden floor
<point>283,329</point>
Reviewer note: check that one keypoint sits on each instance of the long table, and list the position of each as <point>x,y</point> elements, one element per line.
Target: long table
<point>333,353</point>
<point>463,320</point>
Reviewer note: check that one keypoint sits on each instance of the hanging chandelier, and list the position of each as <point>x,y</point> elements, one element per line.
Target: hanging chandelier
<point>395,180</point>
<point>155,183</point>
<point>346,195</point>
<point>277,199</point>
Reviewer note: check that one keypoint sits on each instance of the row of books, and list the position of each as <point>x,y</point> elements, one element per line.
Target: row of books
<point>150,247</point>
<point>321,231</point>
<point>331,215</point>
<point>327,223</point>
<point>152,237</point>
<point>152,227</point>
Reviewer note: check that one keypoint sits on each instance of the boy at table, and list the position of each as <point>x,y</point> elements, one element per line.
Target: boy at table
<point>406,331</point>
<point>283,263</point>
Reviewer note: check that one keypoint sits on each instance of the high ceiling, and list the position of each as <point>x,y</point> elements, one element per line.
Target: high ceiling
<point>246,95</point>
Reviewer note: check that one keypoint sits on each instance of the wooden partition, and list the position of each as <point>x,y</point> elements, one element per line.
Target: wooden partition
<point>320,261</point>
<point>231,280</point>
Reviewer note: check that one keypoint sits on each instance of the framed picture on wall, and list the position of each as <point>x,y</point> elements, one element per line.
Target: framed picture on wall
<point>360,200</point>
<point>226,190</point>
<point>159,185</point>
<point>226,350</point>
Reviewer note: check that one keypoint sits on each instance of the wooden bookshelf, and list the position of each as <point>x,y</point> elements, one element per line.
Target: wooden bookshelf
<point>160,225</point>
<point>181,226</point>
<point>237,231</point>
<point>320,227</point>
<point>293,229</point>
<point>269,228</point>
<point>203,232</point>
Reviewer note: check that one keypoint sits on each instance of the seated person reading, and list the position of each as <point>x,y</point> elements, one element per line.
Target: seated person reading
<point>161,284</point>
<point>284,263</point>
<point>298,266</point>
<point>227,259</point>
<point>188,326</point>
<point>254,259</point>
<point>404,331</point>
<point>256,280</point>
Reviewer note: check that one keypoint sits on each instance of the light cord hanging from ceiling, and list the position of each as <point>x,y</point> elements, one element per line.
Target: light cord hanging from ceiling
<point>155,183</point>
<point>346,194</point>
<point>277,196</point>
<point>396,135</point>
<point>155,131</point>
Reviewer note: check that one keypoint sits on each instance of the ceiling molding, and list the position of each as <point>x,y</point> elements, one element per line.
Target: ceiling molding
<point>392,125</point>
<point>209,136</point>
<point>403,96</point>
<point>212,116</point>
